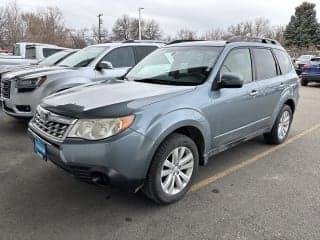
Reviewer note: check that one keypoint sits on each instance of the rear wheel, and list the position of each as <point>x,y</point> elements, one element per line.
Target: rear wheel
<point>172,170</point>
<point>304,82</point>
<point>281,127</point>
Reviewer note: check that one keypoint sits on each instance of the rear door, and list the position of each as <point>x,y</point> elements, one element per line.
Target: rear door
<point>121,58</point>
<point>271,83</point>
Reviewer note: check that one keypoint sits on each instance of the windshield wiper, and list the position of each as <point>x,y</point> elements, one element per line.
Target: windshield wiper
<point>124,78</point>
<point>167,82</point>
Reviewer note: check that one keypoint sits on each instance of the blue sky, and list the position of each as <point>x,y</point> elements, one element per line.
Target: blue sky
<point>199,15</point>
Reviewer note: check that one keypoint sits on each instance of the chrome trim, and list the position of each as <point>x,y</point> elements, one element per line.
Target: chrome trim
<point>53,118</point>
<point>243,127</point>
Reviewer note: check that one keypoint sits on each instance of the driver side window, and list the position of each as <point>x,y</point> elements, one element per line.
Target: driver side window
<point>121,57</point>
<point>239,62</point>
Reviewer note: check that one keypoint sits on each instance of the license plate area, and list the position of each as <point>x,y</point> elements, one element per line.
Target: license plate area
<point>40,148</point>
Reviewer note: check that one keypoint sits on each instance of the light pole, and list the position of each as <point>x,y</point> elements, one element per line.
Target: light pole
<point>99,29</point>
<point>140,22</point>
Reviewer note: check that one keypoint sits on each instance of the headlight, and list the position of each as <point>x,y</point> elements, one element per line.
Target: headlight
<point>31,82</point>
<point>97,129</point>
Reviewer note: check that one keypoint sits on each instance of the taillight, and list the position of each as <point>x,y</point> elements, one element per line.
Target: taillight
<point>306,67</point>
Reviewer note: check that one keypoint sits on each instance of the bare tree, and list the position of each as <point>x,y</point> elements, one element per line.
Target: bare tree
<point>259,27</point>
<point>134,28</point>
<point>151,30</point>
<point>46,25</point>
<point>78,38</point>
<point>12,29</point>
<point>215,34</point>
<point>104,35</point>
<point>121,28</point>
<point>186,34</point>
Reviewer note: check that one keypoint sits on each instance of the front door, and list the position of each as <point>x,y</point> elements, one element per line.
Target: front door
<point>233,113</point>
<point>122,59</point>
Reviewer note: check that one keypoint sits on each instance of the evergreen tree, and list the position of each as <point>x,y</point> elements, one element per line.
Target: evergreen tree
<point>303,29</point>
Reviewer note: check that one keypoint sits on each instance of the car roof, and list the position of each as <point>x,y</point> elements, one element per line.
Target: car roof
<point>116,44</point>
<point>224,44</point>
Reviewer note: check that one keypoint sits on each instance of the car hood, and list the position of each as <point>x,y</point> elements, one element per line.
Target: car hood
<point>37,72</point>
<point>11,68</point>
<point>110,98</point>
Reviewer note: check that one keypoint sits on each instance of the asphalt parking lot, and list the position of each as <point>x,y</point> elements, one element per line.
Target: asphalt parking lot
<point>254,191</point>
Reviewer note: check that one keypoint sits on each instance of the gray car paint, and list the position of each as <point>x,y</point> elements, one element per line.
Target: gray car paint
<point>61,78</point>
<point>224,117</point>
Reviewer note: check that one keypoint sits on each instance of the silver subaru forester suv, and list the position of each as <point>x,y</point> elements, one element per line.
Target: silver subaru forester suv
<point>174,110</point>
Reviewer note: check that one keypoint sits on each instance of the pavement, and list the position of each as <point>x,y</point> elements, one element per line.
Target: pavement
<point>253,191</point>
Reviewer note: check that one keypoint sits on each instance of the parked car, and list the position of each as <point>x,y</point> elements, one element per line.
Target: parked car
<point>52,60</point>
<point>22,91</point>
<point>301,61</point>
<point>47,62</point>
<point>178,107</point>
<point>32,54</point>
<point>311,71</point>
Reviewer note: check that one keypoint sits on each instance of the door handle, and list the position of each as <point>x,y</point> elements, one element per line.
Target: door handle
<point>253,93</point>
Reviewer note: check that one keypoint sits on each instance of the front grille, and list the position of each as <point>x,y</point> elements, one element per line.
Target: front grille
<point>51,125</point>
<point>5,88</point>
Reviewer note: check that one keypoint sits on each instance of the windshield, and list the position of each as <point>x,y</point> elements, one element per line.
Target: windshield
<point>55,58</point>
<point>305,57</point>
<point>84,57</point>
<point>176,65</point>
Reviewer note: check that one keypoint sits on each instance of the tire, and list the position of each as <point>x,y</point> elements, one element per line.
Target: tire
<point>304,82</point>
<point>275,136</point>
<point>154,186</point>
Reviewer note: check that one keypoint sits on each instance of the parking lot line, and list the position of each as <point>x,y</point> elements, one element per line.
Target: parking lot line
<point>250,161</point>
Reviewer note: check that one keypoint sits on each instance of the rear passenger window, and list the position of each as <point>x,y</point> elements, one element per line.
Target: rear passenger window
<point>239,62</point>
<point>121,57</point>
<point>284,61</point>
<point>143,51</point>
<point>265,64</point>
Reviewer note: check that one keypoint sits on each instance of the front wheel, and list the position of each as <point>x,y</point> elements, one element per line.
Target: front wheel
<point>281,127</point>
<point>172,170</point>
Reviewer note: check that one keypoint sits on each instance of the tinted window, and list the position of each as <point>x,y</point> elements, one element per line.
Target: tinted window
<point>121,57</point>
<point>265,64</point>
<point>49,51</point>
<point>30,53</point>
<point>239,62</point>
<point>284,61</point>
<point>143,51</point>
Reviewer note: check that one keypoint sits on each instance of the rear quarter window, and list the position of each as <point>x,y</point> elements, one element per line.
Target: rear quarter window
<point>284,61</point>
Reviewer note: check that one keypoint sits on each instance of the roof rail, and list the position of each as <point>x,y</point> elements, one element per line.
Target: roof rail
<point>253,39</point>
<point>183,40</point>
<point>143,41</point>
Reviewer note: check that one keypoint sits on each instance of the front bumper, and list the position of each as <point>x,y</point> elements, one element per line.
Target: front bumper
<point>122,159</point>
<point>20,104</point>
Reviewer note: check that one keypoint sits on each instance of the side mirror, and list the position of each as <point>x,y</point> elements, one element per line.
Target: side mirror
<point>231,80</point>
<point>104,65</point>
